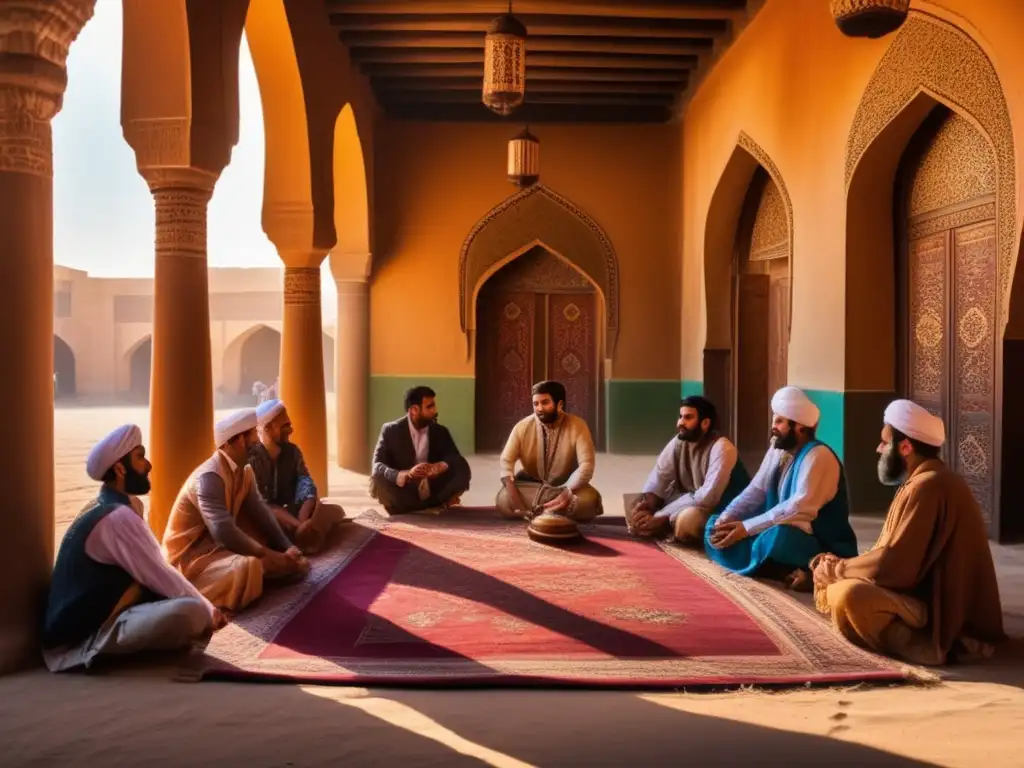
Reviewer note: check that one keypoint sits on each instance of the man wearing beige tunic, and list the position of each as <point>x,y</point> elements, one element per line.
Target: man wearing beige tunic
<point>556,452</point>
<point>221,535</point>
<point>926,592</point>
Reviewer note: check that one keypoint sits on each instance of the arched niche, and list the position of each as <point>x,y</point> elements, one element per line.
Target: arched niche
<point>538,216</point>
<point>751,182</point>
<point>64,383</point>
<point>253,355</point>
<point>139,359</point>
<point>930,64</point>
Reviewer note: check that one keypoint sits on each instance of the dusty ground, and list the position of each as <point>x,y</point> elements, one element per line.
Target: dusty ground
<point>134,714</point>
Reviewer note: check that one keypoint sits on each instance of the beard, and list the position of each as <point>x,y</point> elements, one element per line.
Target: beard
<point>690,435</point>
<point>891,467</point>
<point>786,442</point>
<point>548,417</point>
<point>135,483</point>
<point>422,421</point>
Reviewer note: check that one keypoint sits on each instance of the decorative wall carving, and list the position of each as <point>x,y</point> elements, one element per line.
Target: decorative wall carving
<point>539,215</point>
<point>957,166</point>
<point>181,222</point>
<point>933,56</point>
<point>770,237</point>
<point>540,271</point>
<point>159,142</point>
<point>302,286</point>
<point>43,29</point>
<point>952,220</point>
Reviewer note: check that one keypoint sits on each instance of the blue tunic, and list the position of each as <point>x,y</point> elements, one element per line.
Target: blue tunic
<point>787,544</point>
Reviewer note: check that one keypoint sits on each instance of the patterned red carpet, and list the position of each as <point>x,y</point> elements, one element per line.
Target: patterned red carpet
<point>468,599</point>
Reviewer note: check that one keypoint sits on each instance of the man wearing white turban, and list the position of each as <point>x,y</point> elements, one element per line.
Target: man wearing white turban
<point>285,484</point>
<point>221,535</point>
<point>112,593</point>
<point>794,508</point>
<point>926,592</point>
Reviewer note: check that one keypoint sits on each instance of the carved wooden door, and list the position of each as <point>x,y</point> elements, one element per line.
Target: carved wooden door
<point>572,352</point>
<point>951,345</point>
<point>778,326</point>
<point>506,363</point>
<point>753,400</point>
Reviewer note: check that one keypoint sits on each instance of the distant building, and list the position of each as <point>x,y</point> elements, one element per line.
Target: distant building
<point>103,334</point>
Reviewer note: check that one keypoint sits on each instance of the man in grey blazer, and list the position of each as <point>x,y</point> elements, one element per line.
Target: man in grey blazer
<point>416,464</point>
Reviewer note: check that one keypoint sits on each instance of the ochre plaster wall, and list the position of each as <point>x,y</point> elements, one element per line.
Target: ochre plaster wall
<point>793,83</point>
<point>435,181</point>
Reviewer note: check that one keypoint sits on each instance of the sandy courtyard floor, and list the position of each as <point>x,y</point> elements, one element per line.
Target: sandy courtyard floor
<point>136,714</point>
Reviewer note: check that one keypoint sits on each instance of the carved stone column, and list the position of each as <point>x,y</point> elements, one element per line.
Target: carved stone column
<point>352,374</point>
<point>302,364</point>
<point>181,389</point>
<point>34,39</point>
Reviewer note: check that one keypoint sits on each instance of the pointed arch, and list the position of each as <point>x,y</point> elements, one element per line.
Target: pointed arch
<point>538,216</point>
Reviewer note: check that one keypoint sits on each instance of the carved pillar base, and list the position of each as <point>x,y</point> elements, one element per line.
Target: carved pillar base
<point>352,375</point>
<point>302,368</point>
<point>34,41</point>
<point>181,394</point>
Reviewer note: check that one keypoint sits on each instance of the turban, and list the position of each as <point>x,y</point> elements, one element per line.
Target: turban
<point>916,422</point>
<point>268,410</point>
<point>792,403</point>
<point>111,449</point>
<point>234,424</point>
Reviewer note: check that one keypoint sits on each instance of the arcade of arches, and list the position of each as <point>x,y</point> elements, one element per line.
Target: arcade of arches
<point>835,213</point>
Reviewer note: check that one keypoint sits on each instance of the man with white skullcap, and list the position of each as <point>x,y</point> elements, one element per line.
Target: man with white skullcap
<point>926,592</point>
<point>285,484</point>
<point>112,593</point>
<point>221,535</point>
<point>795,507</point>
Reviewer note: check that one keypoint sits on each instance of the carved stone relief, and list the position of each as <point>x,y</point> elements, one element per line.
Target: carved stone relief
<point>539,271</point>
<point>933,56</point>
<point>770,238</point>
<point>302,286</point>
<point>958,166</point>
<point>181,222</point>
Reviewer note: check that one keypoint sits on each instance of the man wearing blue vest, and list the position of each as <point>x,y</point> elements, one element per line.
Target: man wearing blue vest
<point>795,507</point>
<point>112,592</point>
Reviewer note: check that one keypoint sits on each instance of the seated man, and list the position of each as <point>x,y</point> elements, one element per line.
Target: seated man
<point>416,464</point>
<point>795,507</point>
<point>221,535</point>
<point>697,473</point>
<point>557,456</point>
<point>285,484</point>
<point>112,594</point>
<point>926,592</point>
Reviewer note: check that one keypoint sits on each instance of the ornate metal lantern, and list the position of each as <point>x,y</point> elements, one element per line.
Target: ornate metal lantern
<point>869,18</point>
<point>505,64</point>
<point>524,159</point>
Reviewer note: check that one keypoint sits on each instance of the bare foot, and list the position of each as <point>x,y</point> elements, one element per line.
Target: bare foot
<point>800,581</point>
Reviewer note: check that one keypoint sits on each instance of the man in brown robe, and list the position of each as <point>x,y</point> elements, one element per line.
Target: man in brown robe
<point>556,452</point>
<point>926,592</point>
<point>221,535</point>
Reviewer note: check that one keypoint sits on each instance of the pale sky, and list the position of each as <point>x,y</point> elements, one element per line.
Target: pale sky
<point>102,209</point>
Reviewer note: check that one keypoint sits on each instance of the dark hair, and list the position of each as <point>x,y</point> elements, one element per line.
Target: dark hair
<point>415,395</point>
<point>705,409</point>
<point>923,450</point>
<point>110,476</point>
<point>554,388</point>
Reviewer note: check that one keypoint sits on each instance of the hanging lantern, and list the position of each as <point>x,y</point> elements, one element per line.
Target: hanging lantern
<point>524,159</point>
<point>505,64</point>
<point>869,18</point>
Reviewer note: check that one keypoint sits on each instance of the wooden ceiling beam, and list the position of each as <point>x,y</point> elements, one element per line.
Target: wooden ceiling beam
<point>566,97</point>
<point>363,44</point>
<point>725,10</point>
<point>536,26</point>
<point>533,113</point>
<point>383,86</point>
<point>385,72</point>
<point>372,61</point>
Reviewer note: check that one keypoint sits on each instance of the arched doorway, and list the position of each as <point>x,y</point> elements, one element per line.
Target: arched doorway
<point>536,319</point>
<point>260,359</point>
<point>64,384</point>
<point>927,295</point>
<point>140,367</point>
<point>748,257</point>
<point>947,285</point>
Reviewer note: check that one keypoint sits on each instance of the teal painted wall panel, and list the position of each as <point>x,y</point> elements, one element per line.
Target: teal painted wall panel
<point>831,424</point>
<point>641,414</point>
<point>456,404</point>
<point>690,388</point>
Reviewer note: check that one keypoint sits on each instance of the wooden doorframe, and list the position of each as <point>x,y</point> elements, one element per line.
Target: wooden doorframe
<point>602,365</point>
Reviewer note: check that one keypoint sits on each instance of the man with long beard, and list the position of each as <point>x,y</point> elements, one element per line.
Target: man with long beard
<point>416,465</point>
<point>221,535</point>
<point>557,454</point>
<point>698,473</point>
<point>112,594</point>
<point>795,507</point>
<point>926,592</point>
<point>285,484</point>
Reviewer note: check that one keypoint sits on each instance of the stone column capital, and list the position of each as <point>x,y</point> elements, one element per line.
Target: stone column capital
<point>350,267</point>
<point>289,226</point>
<point>43,29</point>
<point>198,180</point>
